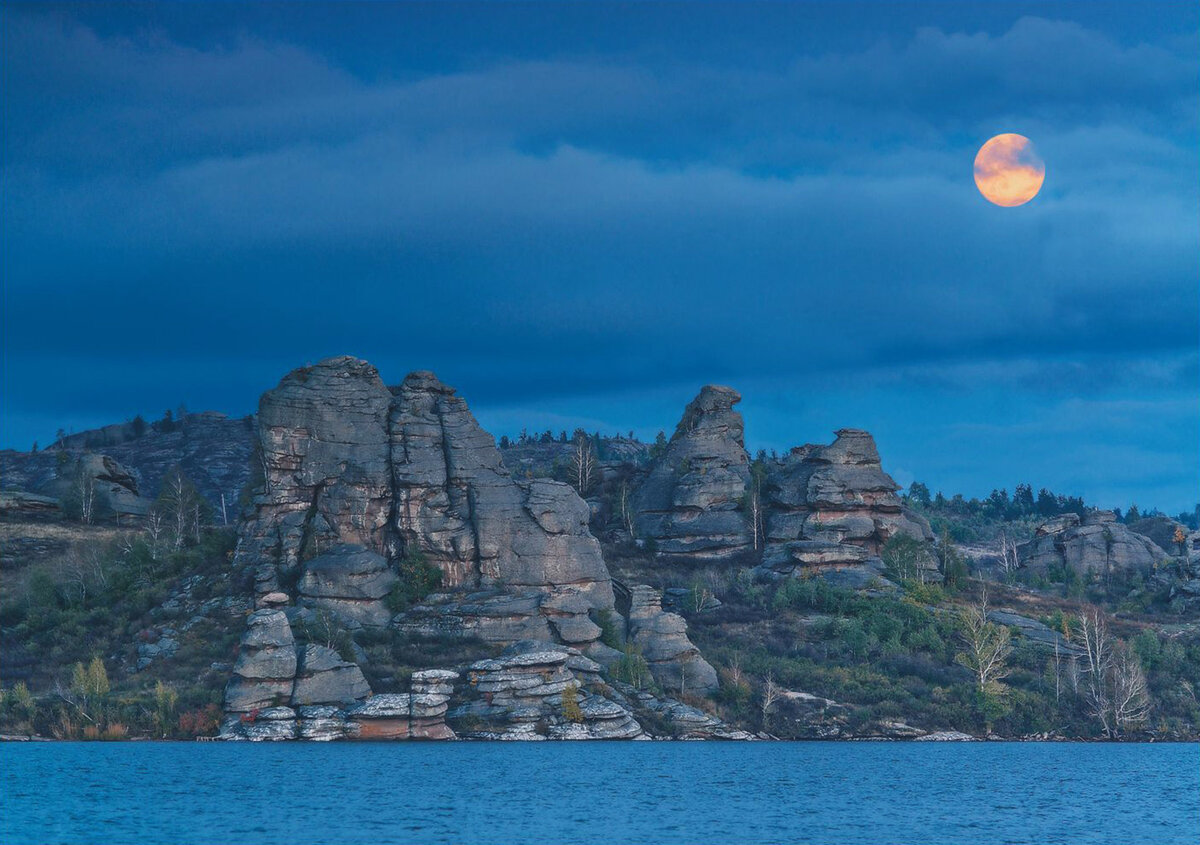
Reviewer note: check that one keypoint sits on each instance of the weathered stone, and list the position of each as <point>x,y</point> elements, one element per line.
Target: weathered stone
<point>266,665</point>
<point>837,494</point>
<point>383,706</point>
<point>1097,543</point>
<point>1163,532</point>
<point>258,730</point>
<point>662,639</point>
<point>325,678</point>
<point>351,582</point>
<point>690,503</point>
<point>1035,633</point>
<point>325,453</point>
<point>113,489</point>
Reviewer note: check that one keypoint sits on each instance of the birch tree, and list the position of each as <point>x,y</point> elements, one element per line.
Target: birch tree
<point>583,464</point>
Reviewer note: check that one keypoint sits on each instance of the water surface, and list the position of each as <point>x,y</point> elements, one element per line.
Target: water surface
<point>653,792</point>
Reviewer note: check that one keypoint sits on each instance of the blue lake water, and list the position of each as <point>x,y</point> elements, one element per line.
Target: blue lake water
<point>653,792</point>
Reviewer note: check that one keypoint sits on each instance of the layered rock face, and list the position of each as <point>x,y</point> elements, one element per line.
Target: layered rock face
<point>358,476</point>
<point>690,503</point>
<point>833,507</point>
<point>1096,543</point>
<point>277,681</point>
<point>538,691</point>
<point>456,503</point>
<point>326,463</point>
<point>282,690</point>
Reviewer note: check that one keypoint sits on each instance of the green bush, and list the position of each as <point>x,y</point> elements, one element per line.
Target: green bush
<point>632,668</point>
<point>418,578</point>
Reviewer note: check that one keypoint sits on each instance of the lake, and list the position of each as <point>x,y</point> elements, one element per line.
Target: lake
<point>655,792</point>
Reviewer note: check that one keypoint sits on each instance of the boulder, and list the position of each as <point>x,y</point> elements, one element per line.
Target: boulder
<point>1097,543</point>
<point>351,582</point>
<point>526,694</point>
<point>323,677</point>
<point>1164,533</point>
<point>112,488</point>
<point>690,502</point>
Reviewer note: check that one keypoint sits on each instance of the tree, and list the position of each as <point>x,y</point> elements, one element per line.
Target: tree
<point>1179,538</point>
<point>986,652</point>
<point>1097,645</point>
<point>181,506</point>
<point>908,558</point>
<point>919,493</point>
<point>1115,688</point>
<point>89,686</point>
<point>771,693</point>
<point>35,446</point>
<point>660,445</point>
<point>1130,698</point>
<point>583,464</point>
<point>82,496</point>
<point>952,564</point>
<point>1010,561</point>
<point>1047,504</point>
<point>165,700</point>
<point>1023,499</point>
<point>753,501</point>
<point>625,506</point>
<point>571,711</point>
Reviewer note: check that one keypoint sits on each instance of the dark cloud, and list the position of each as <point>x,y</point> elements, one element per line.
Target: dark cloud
<point>580,225</point>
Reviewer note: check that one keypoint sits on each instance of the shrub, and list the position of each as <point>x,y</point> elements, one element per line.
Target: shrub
<point>418,578</point>
<point>632,668</point>
<point>571,710</point>
<point>609,635</point>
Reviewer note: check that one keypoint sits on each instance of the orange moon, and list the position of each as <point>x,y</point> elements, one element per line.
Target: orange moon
<point>1008,171</point>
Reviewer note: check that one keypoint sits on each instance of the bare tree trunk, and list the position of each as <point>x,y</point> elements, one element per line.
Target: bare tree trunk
<point>1097,644</point>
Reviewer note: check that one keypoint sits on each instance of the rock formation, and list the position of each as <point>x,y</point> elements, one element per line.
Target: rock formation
<point>358,476</point>
<point>538,691</point>
<point>361,481</point>
<point>838,494</point>
<point>690,503</point>
<point>1097,543</point>
<point>832,508</point>
<point>456,504</point>
<point>661,638</point>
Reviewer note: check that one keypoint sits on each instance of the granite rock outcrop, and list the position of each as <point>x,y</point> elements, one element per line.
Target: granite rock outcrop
<point>690,503</point>
<point>1094,544</point>
<point>361,482</point>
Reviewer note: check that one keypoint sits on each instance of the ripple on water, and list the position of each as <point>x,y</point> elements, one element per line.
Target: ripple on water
<point>619,792</point>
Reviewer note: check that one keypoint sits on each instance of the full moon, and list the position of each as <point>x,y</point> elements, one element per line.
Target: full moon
<point>1008,171</point>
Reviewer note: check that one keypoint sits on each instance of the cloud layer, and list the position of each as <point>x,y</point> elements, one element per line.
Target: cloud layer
<point>195,215</point>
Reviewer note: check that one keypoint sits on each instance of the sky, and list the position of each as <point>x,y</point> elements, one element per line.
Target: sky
<point>579,214</point>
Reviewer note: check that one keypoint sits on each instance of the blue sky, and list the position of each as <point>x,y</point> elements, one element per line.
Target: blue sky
<point>578,215</point>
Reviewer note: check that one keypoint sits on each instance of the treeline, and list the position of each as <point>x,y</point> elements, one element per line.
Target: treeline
<point>1024,504</point>
<point>548,436</point>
